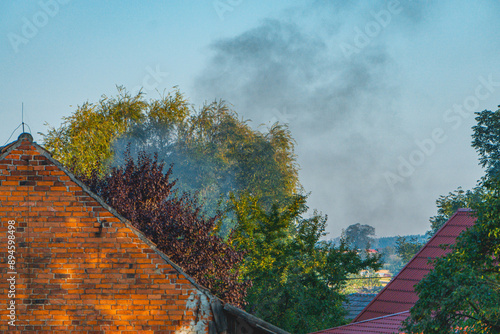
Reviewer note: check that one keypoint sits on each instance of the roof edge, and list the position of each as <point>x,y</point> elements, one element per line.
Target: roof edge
<point>5,150</point>
<point>363,321</point>
<point>8,148</point>
<point>253,320</point>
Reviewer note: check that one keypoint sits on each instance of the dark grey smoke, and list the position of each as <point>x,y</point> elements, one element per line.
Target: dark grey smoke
<point>289,71</point>
<point>357,104</point>
<point>278,71</point>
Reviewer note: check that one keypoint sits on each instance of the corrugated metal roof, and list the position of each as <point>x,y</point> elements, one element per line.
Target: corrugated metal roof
<point>399,295</point>
<point>391,306</point>
<point>356,302</point>
<point>383,325</point>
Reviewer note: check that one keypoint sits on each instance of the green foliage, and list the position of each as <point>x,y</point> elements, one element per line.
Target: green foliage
<point>297,278</point>
<point>216,153</point>
<point>486,138</point>
<point>84,141</point>
<point>406,248</point>
<point>392,262</point>
<point>360,236</point>
<point>449,204</point>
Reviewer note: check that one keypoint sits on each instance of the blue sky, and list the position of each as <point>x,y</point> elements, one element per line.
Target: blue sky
<point>379,95</point>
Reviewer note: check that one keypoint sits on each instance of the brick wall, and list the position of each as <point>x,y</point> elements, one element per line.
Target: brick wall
<point>79,267</point>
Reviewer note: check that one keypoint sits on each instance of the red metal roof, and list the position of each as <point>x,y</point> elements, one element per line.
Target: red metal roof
<point>391,306</point>
<point>383,325</point>
<point>399,295</point>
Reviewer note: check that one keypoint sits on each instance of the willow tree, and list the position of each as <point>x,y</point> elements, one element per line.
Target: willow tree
<point>84,140</point>
<point>213,151</point>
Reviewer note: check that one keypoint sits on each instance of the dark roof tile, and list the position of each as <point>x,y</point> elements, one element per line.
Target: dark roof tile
<point>356,302</point>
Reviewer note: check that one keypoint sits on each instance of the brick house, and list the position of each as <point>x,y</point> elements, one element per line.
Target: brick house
<point>72,264</point>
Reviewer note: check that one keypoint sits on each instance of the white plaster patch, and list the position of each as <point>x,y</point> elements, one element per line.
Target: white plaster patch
<point>200,305</point>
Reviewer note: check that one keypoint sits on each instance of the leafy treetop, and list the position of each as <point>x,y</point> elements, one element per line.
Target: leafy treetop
<point>361,236</point>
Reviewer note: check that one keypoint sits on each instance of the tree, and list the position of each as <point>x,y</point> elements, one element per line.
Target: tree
<point>462,292</point>
<point>486,139</point>
<point>449,204</point>
<point>392,262</point>
<point>407,248</point>
<point>298,279</point>
<point>217,158</point>
<point>213,151</point>
<point>361,236</point>
<point>142,193</point>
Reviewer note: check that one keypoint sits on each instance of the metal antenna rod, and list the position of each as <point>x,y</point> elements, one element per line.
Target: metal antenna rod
<point>22,114</point>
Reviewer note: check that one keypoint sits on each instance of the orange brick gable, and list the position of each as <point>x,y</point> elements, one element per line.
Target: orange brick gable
<point>80,267</point>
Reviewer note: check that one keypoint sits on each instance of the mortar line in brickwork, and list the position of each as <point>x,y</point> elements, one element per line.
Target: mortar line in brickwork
<point>99,259</point>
